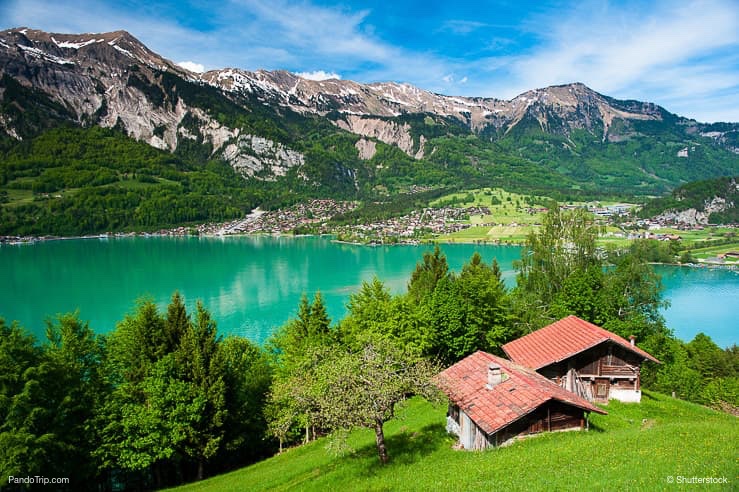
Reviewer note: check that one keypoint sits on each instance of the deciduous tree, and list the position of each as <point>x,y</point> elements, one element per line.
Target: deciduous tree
<point>362,388</point>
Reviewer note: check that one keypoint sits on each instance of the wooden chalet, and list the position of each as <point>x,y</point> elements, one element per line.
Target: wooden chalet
<point>494,401</point>
<point>583,358</point>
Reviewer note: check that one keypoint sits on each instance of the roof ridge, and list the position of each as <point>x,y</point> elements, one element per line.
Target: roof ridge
<point>563,339</point>
<point>466,384</point>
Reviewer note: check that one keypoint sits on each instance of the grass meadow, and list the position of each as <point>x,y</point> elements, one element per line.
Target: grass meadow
<point>636,447</point>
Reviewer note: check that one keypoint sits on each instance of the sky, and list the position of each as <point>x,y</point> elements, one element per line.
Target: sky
<point>680,54</point>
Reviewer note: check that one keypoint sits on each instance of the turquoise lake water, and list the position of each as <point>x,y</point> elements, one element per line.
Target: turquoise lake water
<point>253,284</point>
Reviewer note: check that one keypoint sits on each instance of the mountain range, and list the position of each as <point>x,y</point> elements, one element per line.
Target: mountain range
<point>339,137</point>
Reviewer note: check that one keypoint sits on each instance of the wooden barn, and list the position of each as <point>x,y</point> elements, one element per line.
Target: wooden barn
<point>494,401</point>
<point>583,358</point>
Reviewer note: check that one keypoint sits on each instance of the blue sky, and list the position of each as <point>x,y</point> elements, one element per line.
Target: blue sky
<point>681,54</point>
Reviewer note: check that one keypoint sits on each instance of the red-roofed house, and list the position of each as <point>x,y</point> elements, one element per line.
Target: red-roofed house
<point>584,358</point>
<point>493,401</point>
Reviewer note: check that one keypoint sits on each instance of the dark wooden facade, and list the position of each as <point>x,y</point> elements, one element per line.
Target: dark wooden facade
<point>494,401</point>
<point>550,417</point>
<point>606,371</point>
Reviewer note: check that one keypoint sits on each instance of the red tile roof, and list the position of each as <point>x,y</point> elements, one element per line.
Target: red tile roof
<point>562,340</point>
<point>521,393</point>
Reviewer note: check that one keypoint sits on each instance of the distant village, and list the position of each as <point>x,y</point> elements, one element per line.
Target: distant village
<point>314,217</point>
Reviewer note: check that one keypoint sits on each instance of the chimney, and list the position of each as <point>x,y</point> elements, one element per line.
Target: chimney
<point>633,340</point>
<point>495,375</point>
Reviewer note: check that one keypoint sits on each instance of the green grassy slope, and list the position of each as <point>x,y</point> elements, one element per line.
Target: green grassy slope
<point>635,447</point>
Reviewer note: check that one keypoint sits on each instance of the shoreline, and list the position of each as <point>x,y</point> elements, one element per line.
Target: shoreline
<point>30,240</point>
<point>23,240</point>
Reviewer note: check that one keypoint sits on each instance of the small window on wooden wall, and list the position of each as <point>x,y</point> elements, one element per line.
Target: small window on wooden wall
<point>601,390</point>
<point>454,412</point>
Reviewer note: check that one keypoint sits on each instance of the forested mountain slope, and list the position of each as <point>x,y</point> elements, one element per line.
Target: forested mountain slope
<point>713,201</point>
<point>299,138</point>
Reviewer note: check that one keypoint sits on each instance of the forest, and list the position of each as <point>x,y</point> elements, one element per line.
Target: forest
<point>69,181</point>
<point>696,195</point>
<point>163,399</point>
<point>83,181</point>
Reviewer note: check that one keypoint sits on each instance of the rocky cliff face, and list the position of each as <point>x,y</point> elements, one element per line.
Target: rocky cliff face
<point>386,131</point>
<point>558,108</point>
<point>365,109</point>
<point>693,216</point>
<point>721,198</point>
<point>112,79</point>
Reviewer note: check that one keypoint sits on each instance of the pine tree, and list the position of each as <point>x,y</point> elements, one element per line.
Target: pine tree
<point>293,348</point>
<point>319,324</point>
<point>202,367</point>
<point>176,322</point>
<point>427,274</point>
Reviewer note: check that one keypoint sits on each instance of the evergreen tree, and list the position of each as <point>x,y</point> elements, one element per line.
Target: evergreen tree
<point>23,449</point>
<point>469,311</point>
<point>139,341</point>
<point>176,322</point>
<point>77,392</point>
<point>319,323</point>
<point>370,313</point>
<point>137,435</point>
<point>487,310</point>
<point>427,274</point>
<point>48,396</point>
<point>202,367</point>
<point>248,379</point>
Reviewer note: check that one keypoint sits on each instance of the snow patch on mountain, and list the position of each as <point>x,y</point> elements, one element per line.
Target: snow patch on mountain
<point>43,55</point>
<point>76,46</point>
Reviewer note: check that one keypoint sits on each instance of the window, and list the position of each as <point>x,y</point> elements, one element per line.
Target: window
<point>454,412</point>
<point>601,390</point>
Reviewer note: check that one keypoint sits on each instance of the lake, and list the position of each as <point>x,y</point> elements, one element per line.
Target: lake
<point>252,284</point>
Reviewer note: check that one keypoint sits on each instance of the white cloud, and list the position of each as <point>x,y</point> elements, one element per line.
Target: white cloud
<point>192,66</point>
<point>318,75</point>
<point>674,51</point>
<point>274,34</point>
<point>681,55</point>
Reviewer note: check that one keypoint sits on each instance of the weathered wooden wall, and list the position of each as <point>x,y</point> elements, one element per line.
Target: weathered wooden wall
<point>605,366</point>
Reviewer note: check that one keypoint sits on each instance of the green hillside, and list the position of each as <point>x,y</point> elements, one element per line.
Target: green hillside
<point>60,174</point>
<point>696,195</point>
<point>634,447</point>
<point>73,181</point>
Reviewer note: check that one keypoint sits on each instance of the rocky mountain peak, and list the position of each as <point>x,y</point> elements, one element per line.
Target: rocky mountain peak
<point>115,49</point>
<point>575,104</point>
<point>113,80</point>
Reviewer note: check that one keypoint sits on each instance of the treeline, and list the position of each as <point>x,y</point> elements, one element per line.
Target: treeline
<point>160,401</point>
<point>164,400</point>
